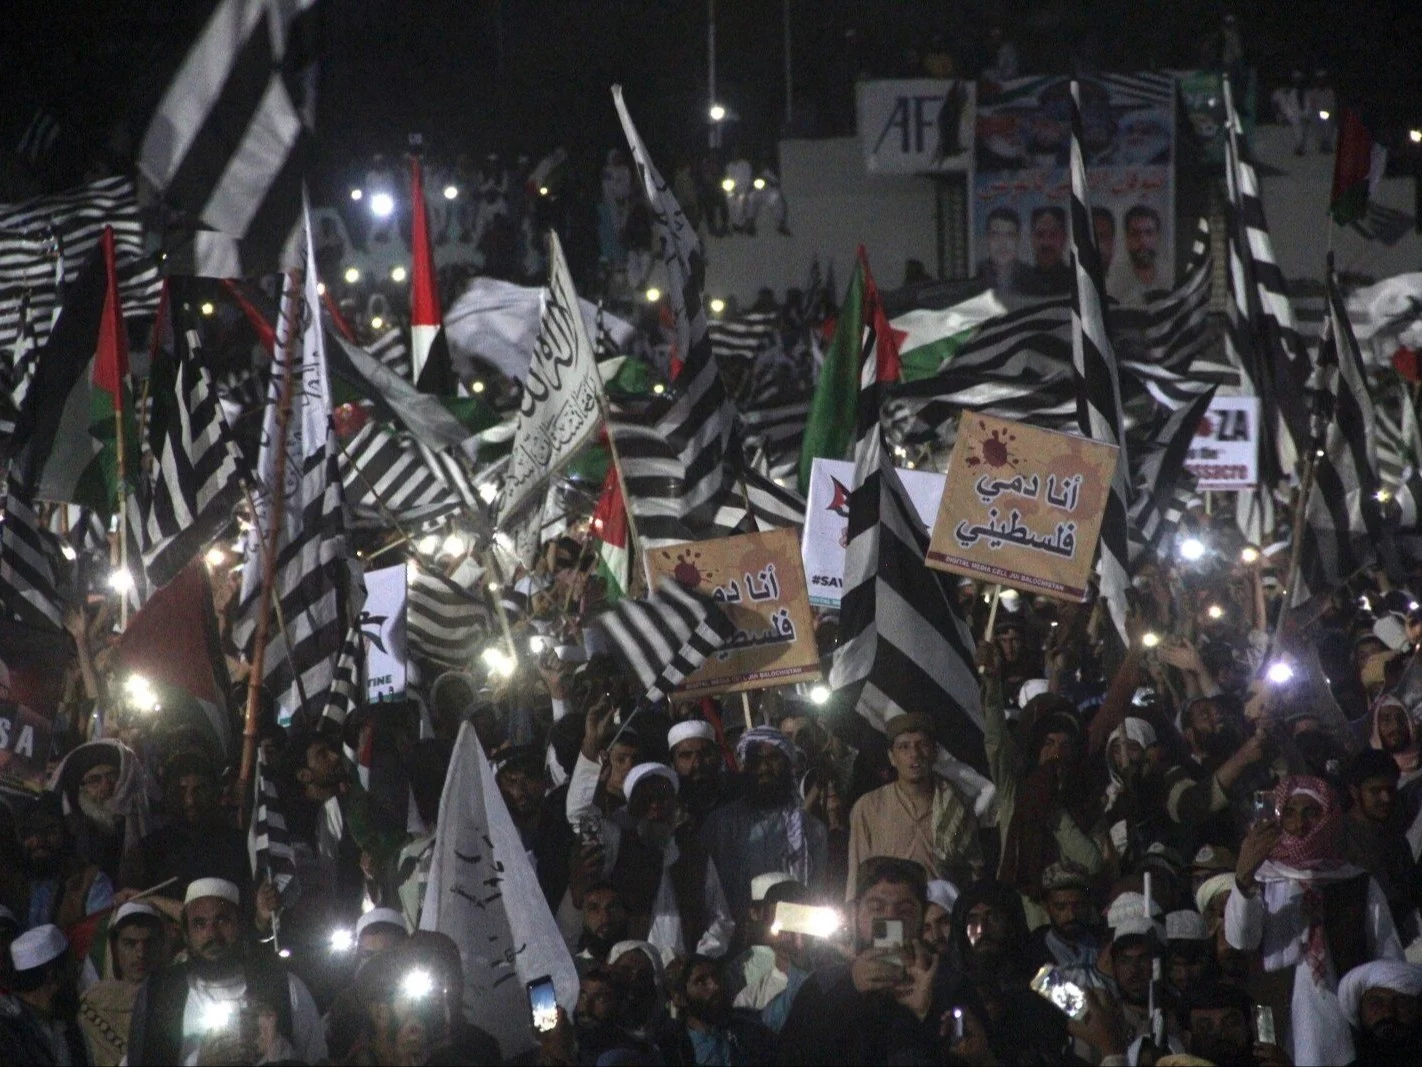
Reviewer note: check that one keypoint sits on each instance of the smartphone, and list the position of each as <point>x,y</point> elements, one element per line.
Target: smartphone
<point>590,830</point>
<point>1264,1025</point>
<point>957,1024</point>
<point>804,919</point>
<point>1261,806</point>
<point>888,933</point>
<point>1069,997</point>
<point>543,1004</point>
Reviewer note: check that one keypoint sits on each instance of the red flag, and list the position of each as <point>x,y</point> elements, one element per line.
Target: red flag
<point>429,352</point>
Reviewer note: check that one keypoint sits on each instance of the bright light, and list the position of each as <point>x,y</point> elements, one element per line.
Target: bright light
<point>487,492</point>
<point>352,275</point>
<point>759,183</point>
<point>208,308</point>
<point>121,581</point>
<point>138,688</point>
<point>451,192</point>
<point>356,194</point>
<point>1412,605</point>
<point>819,694</point>
<point>717,305</point>
<point>382,205</point>
<point>499,662</point>
<point>418,984</point>
<point>1249,555</point>
<point>1323,115</point>
<point>215,557</point>
<point>728,185</point>
<point>398,274</point>
<point>217,1015</point>
<point>658,389</point>
<point>342,940</point>
<point>1415,136</point>
<point>1192,549</point>
<point>1383,496</point>
<point>377,323</point>
<point>1150,640</point>
<point>538,644</point>
<point>284,953</point>
<point>429,544</point>
<point>653,294</point>
<point>543,190</point>
<point>718,113</point>
<point>67,551</point>
<point>1279,672</point>
<point>321,288</point>
<point>454,545</point>
<point>477,387</point>
<point>1214,611</point>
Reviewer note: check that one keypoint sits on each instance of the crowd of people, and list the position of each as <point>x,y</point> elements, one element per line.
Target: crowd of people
<point>1205,845</point>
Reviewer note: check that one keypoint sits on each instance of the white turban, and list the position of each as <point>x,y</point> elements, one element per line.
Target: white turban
<point>642,770</point>
<point>1404,978</point>
<point>689,730</point>
<point>1211,888</point>
<point>943,893</point>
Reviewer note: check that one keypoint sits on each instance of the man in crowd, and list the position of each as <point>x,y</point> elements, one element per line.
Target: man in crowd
<point>1068,939</point>
<point>542,827</point>
<point>1373,837</point>
<point>1380,1000</point>
<point>766,829</point>
<point>197,1008</point>
<point>37,1024</point>
<point>138,949</point>
<point>604,922</point>
<point>105,804</point>
<point>713,1033</point>
<point>1050,275</point>
<point>696,758</point>
<point>919,816</point>
<point>60,887</point>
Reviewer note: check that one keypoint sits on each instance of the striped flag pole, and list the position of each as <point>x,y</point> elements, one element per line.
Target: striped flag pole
<point>295,279</point>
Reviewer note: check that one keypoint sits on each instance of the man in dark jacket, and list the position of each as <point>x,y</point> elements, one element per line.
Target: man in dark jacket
<point>37,1024</point>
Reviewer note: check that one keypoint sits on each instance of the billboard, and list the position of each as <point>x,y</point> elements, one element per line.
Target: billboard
<point>915,126</point>
<point>1021,185</point>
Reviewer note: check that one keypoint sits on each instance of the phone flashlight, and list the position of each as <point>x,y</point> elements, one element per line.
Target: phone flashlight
<point>1214,611</point>
<point>342,940</point>
<point>1150,639</point>
<point>1250,554</point>
<point>957,1024</point>
<point>1192,549</point>
<point>418,984</point>
<point>1279,673</point>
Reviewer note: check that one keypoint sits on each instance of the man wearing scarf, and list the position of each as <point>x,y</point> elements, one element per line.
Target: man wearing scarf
<point>137,949</point>
<point>766,829</point>
<point>919,816</point>
<point>1296,898</point>
<point>669,885</point>
<point>105,799</point>
<point>1380,1002</point>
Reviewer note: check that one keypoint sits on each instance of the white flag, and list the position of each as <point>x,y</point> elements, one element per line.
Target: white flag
<point>483,894</point>
<point>559,410</point>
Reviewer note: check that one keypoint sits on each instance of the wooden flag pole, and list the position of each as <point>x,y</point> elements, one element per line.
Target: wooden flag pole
<point>278,506</point>
<point>992,612</point>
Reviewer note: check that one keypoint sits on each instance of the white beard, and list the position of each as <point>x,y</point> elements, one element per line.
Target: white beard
<point>99,813</point>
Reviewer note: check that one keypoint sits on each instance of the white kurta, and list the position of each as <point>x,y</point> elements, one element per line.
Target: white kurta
<point>665,934</point>
<point>1273,919</point>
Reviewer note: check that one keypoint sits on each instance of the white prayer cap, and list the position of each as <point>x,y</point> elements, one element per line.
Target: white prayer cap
<point>212,887</point>
<point>1404,978</point>
<point>762,883</point>
<point>1126,916</point>
<point>1213,887</point>
<point>642,770</point>
<point>1185,926</point>
<point>379,917</point>
<point>943,893</point>
<point>691,729</point>
<point>131,910</point>
<point>1391,630</point>
<point>1032,687</point>
<point>34,948</point>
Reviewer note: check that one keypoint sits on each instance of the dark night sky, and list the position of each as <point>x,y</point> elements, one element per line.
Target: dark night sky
<point>525,75</point>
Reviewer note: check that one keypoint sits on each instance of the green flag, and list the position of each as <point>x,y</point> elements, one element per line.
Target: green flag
<point>829,430</point>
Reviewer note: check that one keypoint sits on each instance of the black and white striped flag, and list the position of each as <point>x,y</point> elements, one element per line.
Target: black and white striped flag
<point>317,586</point>
<point>1098,382</point>
<point>347,691</point>
<point>903,645</point>
<point>663,638</point>
<point>194,486</point>
<point>29,584</point>
<point>699,422</point>
<point>1159,477</point>
<point>446,617</point>
<point>228,145</point>
<point>45,241</point>
<point>776,434</point>
<point>651,483</point>
<point>1343,526</point>
<point>18,371</point>
<point>269,839</point>
<point>1261,335</point>
<point>386,474</point>
<point>744,337</point>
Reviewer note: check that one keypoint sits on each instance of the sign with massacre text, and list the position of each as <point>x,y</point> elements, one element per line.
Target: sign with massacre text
<point>1022,506</point>
<point>758,581</point>
<point>1224,454</point>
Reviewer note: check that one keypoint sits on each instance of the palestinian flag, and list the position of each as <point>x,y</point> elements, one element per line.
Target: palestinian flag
<point>1358,165</point>
<point>931,337</point>
<point>609,526</point>
<point>429,350</point>
<point>829,429</point>
<point>110,399</point>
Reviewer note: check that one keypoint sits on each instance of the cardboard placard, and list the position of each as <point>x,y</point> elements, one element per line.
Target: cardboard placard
<point>827,522</point>
<point>383,624</point>
<point>1224,454</point>
<point>1022,506</point>
<point>758,580</point>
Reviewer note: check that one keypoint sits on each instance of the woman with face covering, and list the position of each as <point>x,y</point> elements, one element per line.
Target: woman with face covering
<point>1307,909</point>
